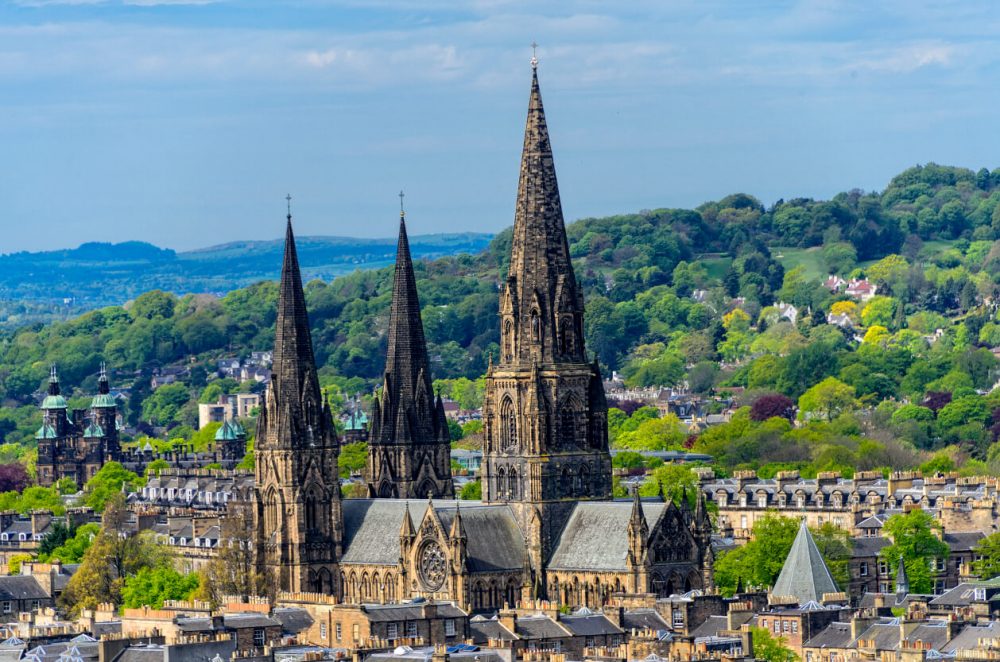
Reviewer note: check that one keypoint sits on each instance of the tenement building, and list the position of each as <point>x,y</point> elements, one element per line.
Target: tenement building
<point>547,526</point>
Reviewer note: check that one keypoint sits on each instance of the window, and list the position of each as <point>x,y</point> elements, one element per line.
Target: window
<point>762,501</point>
<point>883,568</point>
<point>863,569</point>
<point>589,642</point>
<point>743,521</point>
<point>337,631</point>
<point>938,587</point>
<point>356,632</point>
<point>795,627</point>
<point>411,628</point>
<point>785,626</point>
<point>449,627</point>
<point>322,631</point>
<point>392,631</point>
<point>678,618</point>
<point>980,594</point>
<point>777,626</point>
<point>8,607</point>
<point>258,637</point>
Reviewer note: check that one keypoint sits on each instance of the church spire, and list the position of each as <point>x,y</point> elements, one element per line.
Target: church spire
<point>408,415</point>
<point>542,296</point>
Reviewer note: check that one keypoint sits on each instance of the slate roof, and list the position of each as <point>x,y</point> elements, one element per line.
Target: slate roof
<point>639,619</point>
<point>589,624</point>
<point>540,627</point>
<point>21,587</point>
<point>711,627</point>
<point>409,612</point>
<point>372,526</point>
<point>249,620</point>
<point>293,620</point>
<point>963,541</point>
<point>863,548</point>
<point>968,639</point>
<point>580,549</point>
<point>804,574</point>
<point>835,635</point>
<point>483,629</point>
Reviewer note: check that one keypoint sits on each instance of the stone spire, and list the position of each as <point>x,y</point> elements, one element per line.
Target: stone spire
<point>902,580</point>
<point>409,452</point>
<point>804,574</point>
<point>542,292</point>
<point>297,513</point>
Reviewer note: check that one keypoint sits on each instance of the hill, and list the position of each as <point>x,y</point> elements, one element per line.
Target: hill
<point>674,297</point>
<point>101,274</point>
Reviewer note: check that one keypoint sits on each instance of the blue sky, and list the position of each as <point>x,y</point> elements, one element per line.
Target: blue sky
<point>185,123</point>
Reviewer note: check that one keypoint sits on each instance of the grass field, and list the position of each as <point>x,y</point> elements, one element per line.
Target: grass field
<point>810,259</point>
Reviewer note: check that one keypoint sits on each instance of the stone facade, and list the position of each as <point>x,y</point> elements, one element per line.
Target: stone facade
<point>296,498</point>
<point>544,413</point>
<point>76,445</point>
<point>409,448</point>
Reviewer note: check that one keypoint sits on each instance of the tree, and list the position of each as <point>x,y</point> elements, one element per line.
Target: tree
<point>913,540</point>
<point>113,556</point>
<point>828,399</point>
<point>987,554</point>
<point>770,405</point>
<point>232,571</point>
<point>72,549</point>
<point>757,563</point>
<point>657,434</point>
<point>675,481</point>
<point>165,403</point>
<point>67,486</point>
<point>353,458</point>
<point>471,491</point>
<point>13,477</point>
<point>879,310</point>
<point>108,482</point>
<point>769,648</point>
<point>152,586</point>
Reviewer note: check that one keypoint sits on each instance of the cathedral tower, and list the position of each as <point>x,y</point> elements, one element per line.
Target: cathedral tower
<point>296,502</point>
<point>545,413</point>
<point>409,449</point>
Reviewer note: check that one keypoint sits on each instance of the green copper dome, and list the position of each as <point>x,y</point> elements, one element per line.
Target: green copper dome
<point>103,400</point>
<point>356,421</point>
<point>54,402</point>
<point>226,432</point>
<point>46,432</point>
<point>93,430</point>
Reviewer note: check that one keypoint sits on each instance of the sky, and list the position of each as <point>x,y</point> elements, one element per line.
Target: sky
<point>185,122</point>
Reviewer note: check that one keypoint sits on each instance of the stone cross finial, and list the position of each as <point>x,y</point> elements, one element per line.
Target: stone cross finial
<point>288,199</point>
<point>534,55</point>
<point>402,213</point>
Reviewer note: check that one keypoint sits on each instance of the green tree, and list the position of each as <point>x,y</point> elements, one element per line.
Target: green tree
<point>353,458</point>
<point>165,403</point>
<point>471,491</point>
<point>111,558</point>
<point>654,435</point>
<point>757,563</point>
<point>769,648</point>
<point>987,553</point>
<point>913,539</point>
<point>152,586</point>
<point>827,399</point>
<point>676,481</point>
<point>72,549</point>
<point>107,483</point>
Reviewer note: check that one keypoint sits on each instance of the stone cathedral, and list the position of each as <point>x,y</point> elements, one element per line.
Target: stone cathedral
<point>547,526</point>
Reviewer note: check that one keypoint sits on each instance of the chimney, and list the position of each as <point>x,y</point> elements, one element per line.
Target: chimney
<point>508,619</point>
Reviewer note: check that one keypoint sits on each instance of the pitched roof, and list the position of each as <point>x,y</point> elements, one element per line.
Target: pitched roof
<point>372,527</point>
<point>579,548</point>
<point>804,574</point>
<point>21,587</point>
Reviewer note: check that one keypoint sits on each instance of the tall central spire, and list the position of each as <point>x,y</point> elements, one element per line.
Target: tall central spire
<point>542,292</point>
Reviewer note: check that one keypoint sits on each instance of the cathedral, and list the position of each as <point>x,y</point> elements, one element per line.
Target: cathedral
<point>547,526</point>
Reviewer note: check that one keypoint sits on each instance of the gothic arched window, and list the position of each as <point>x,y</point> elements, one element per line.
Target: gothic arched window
<point>508,425</point>
<point>512,484</point>
<point>501,482</point>
<point>567,481</point>
<point>566,344</point>
<point>584,483</point>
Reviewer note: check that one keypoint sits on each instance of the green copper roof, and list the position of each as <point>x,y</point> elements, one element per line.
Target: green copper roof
<point>46,432</point>
<point>93,430</point>
<point>54,402</point>
<point>227,432</point>
<point>103,400</point>
<point>356,421</point>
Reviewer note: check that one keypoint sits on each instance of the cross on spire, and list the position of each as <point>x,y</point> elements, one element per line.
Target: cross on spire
<point>288,199</point>
<point>534,55</point>
<point>402,213</point>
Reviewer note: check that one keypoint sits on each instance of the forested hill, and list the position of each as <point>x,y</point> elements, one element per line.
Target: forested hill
<point>672,296</point>
<point>101,274</point>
